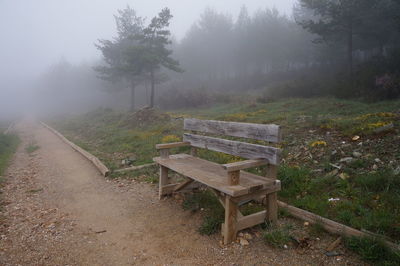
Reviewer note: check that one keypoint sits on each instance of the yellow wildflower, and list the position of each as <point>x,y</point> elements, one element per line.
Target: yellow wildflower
<point>170,138</point>
<point>318,143</point>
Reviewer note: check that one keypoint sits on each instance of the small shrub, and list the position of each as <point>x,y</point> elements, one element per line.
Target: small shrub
<point>210,225</point>
<point>277,237</point>
<point>316,229</point>
<point>31,148</point>
<point>213,210</point>
<point>170,139</point>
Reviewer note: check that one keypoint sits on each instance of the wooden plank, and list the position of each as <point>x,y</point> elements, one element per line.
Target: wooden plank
<point>272,198</point>
<point>183,184</point>
<point>163,180</point>
<point>270,133</point>
<point>233,178</point>
<point>244,165</point>
<point>172,145</point>
<point>170,188</point>
<point>164,153</point>
<point>10,129</point>
<point>236,148</point>
<point>213,175</point>
<point>230,220</point>
<point>193,151</point>
<point>96,162</point>
<point>133,168</point>
<point>331,226</point>
<point>255,195</point>
<point>251,220</point>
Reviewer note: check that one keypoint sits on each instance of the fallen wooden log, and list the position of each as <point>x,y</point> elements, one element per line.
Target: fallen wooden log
<point>133,168</point>
<point>96,162</point>
<point>331,226</point>
<point>9,129</point>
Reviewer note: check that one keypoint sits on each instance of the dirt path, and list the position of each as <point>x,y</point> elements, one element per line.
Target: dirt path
<point>60,211</point>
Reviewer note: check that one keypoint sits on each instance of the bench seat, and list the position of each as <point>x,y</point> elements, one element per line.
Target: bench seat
<point>214,176</point>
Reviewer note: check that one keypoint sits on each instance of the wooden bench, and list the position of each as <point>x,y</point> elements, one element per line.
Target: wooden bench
<point>229,182</point>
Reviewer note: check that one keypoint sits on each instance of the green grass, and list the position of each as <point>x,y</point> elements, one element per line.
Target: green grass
<point>277,236</point>
<point>31,148</point>
<point>373,250</point>
<point>8,145</point>
<point>213,210</point>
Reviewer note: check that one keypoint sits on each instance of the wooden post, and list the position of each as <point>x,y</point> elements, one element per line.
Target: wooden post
<point>231,211</point>
<point>163,180</point>
<point>233,178</point>
<point>193,151</point>
<point>272,198</point>
<point>164,153</point>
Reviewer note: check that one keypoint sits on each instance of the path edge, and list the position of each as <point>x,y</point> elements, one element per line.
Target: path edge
<point>93,159</point>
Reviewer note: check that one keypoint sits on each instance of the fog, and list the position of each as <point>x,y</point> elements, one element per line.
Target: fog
<point>48,50</point>
<point>38,34</point>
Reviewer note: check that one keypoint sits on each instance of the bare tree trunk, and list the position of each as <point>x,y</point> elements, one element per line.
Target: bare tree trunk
<point>152,89</point>
<point>132,108</point>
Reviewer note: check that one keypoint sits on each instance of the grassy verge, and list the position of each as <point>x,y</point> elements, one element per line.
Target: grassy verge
<point>8,145</point>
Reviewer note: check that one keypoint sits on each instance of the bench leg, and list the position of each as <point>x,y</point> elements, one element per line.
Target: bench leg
<point>231,210</point>
<point>272,208</point>
<point>272,198</point>
<point>163,180</point>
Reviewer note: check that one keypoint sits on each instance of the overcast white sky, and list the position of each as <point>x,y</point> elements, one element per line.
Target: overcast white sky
<point>37,33</point>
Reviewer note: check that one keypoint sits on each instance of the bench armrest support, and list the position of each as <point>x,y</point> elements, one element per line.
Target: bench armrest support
<point>237,166</point>
<point>172,145</point>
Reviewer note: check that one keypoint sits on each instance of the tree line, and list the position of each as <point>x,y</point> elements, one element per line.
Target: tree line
<point>346,48</point>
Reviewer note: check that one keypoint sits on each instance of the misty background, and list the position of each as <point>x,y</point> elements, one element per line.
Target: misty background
<point>226,49</point>
<point>40,36</point>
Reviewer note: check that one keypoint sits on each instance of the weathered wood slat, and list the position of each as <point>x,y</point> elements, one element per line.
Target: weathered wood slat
<point>251,220</point>
<point>133,168</point>
<point>183,184</point>
<point>9,129</point>
<point>230,167</point>
<point>236,148</point>
<point>256,194</point>
<point>270,133</point>
<point>214,176</point>
<point>172,145</point>
<point>231,210</point>
<point>171,188</point>
<point>331,226</point>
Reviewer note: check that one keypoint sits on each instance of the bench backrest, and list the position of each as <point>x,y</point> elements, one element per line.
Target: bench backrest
<point>269,133</point>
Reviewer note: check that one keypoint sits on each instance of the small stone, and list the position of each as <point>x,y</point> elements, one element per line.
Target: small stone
<point>346,159</point>
<point>397,171</point>
<point>244,242</point>
<point>285,246</point>
<point>375,167</point>
<point>357,154</point>
<point>248,236</point>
